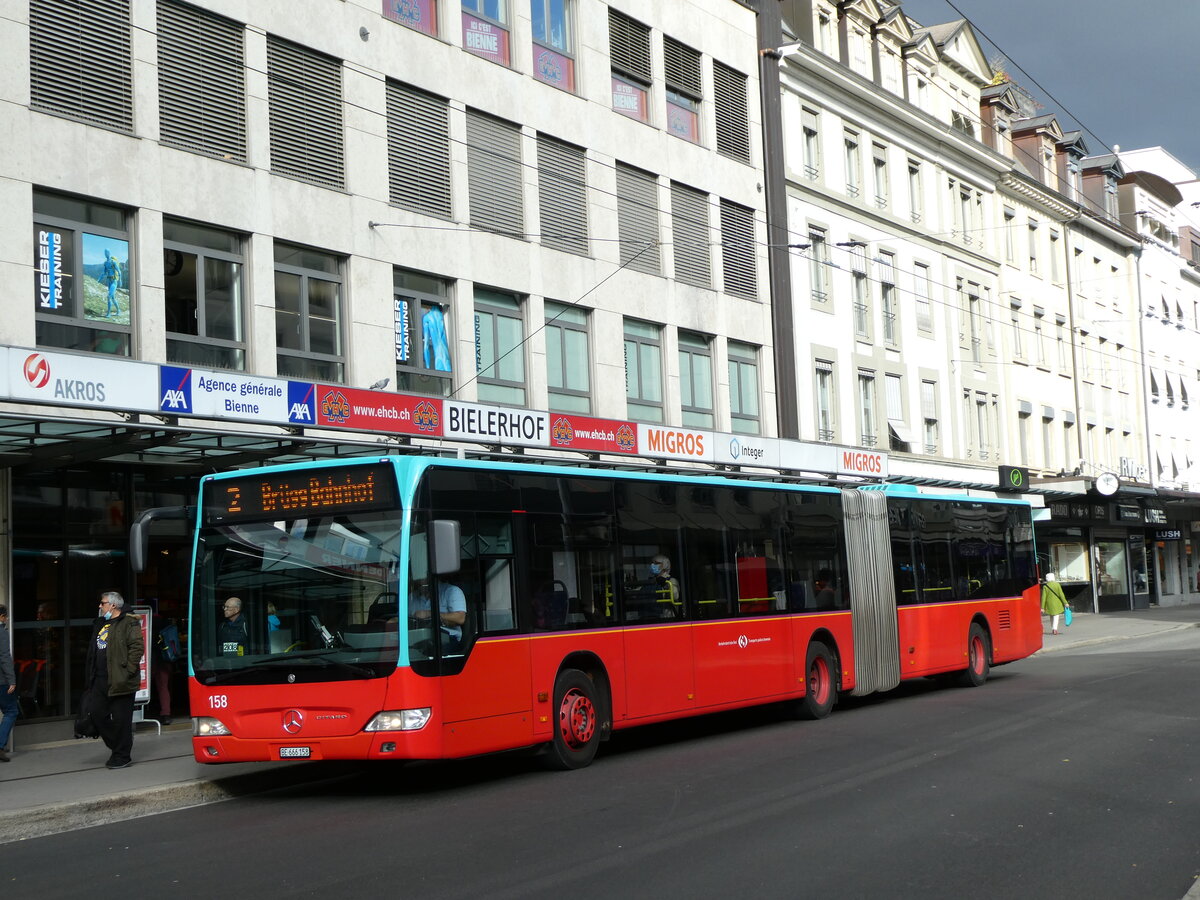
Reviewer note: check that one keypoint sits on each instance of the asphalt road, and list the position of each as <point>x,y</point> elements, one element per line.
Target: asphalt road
<point>1068,775</point>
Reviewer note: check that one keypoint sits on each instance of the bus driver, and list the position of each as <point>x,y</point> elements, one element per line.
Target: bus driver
<point>452,609</point>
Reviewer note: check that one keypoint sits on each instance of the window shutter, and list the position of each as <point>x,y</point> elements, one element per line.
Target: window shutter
<point>562,193</point>
<point>201,81</point>
<point>637,219</point>
<point>629,46</point>
<point>494,174</point>
<point>305,95</point>
<point>737,250</point>
<point>689,222</point>
<point>75,72</point>
<point>732,115</point>
<point>681,67</point>
<point>418,150</point>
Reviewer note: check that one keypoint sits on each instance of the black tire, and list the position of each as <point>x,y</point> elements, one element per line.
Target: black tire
<point>820,683</point>
<point>577,725</point>
<point>979,657</point>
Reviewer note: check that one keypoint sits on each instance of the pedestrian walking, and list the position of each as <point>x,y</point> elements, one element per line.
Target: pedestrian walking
<point>8,686</point>
<point>112,675</point>
<point>1054,601</point>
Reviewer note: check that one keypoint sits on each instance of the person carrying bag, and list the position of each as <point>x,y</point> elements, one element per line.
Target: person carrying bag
<point>1054,601</point>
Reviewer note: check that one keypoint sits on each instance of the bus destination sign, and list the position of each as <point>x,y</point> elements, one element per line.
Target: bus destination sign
<point>293,495</point>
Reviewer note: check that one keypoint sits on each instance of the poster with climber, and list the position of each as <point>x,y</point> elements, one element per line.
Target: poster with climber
<point>105,279</point>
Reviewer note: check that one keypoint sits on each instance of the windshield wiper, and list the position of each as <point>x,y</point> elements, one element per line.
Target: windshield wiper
<point>292,662</point>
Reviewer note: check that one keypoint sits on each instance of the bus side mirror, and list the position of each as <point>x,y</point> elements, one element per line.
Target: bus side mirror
<point>139,532</point>
<point>138,541</point>
<point>447,549</point>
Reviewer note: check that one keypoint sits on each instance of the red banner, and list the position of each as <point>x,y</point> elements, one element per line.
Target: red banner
<point>592,435</point>
<point>343,407</point>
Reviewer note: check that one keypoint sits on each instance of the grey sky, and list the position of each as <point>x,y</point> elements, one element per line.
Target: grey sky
<point>1129,70</point>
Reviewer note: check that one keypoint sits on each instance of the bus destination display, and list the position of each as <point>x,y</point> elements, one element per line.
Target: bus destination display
<point>296,494</point>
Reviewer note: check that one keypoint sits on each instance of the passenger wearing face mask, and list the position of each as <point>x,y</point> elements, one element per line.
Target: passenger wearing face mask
<point>112,674</point>
<point>665,588</point>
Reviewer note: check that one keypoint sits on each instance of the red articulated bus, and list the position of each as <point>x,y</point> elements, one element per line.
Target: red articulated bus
<point>413,607</point>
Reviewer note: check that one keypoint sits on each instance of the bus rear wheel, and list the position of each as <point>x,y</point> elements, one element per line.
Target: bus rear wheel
<point>576,722</point>
<point>979,658</point>
<point>820,686</point>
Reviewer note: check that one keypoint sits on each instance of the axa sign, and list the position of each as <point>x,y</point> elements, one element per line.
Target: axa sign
<point>175,389</point>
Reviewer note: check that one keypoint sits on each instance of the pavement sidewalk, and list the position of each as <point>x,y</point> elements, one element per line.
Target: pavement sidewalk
<point>51,788</point>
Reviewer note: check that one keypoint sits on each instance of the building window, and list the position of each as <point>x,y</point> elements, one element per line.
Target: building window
<point>499,347</point>
<point>1039,337</point>
<point>922,288</point>
<point>868,436</point>
<point>743,388</point>
<point>685,90</point>
<point>485,29</point>
<point>853,164</point>
<point>304,89</point>
<point>420,15</point>
<point>424,354</point>
<point>201,81</point>
<point>71,71</point>
<point>83,286</point>
<point>202,295</point>
<point>418,136</point>
<point>643,371</point>
<point>568,364</point>
<point>731,112</point>
<point>916,193</point>
<point>811,144</point>
<point>738,258</point>
<point>899,439</point>
<point>879,171</point>
<point>1023,418</point>
<point>858,292</point>
<point>818,265</point>
<point>929,415</point>
<point>1018,349</point>
<point>1055,264</point>
<point>1047,441</point>
<point>554,42</point>
<point>887,296</point>
<point>494,175</point>
<point>696,380</point>
<point>689,224</point>
<point>308,314</point>
<point>629,53</point>
<point>1010,225</point>
<point>637,219</point>
<point>983,426</point>
<point>1033,247</point>
<point>823,382</point>
<point>562,195</point>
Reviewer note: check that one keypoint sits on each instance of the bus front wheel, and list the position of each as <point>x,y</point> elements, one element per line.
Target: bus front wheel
<point>820,687</point>
<point>576,721</point>
<point>979,657</point>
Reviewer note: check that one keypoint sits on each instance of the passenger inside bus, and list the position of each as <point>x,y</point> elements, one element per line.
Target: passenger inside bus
<point>232,634</point>
<point>663,589</point>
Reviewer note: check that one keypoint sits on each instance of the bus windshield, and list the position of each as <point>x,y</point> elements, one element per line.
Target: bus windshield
<point>305,599</point>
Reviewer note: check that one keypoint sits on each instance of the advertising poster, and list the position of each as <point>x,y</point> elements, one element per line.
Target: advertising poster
<point>143,613</point>
<point>364,410</point>
<point>105,279</point>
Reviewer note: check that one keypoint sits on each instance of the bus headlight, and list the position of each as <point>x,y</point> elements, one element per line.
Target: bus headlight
<point>400,720</point>
<point>202,726</point>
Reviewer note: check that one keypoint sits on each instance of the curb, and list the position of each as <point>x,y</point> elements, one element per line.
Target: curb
<point>56,818</point>
<point>1111,638</point>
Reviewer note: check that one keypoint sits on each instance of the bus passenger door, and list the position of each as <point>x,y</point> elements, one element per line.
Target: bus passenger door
<point>658,670</point>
